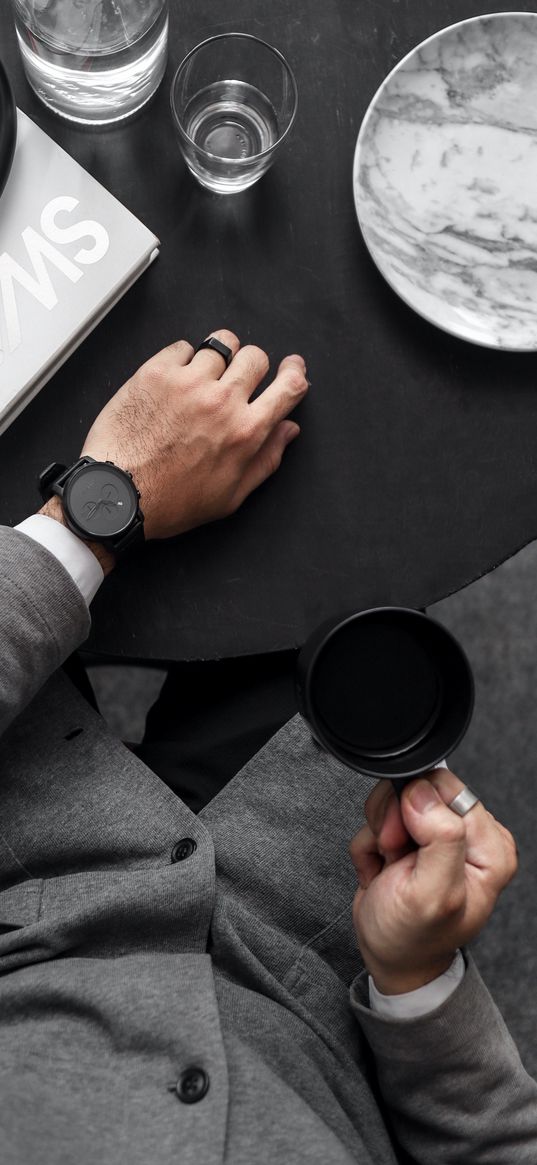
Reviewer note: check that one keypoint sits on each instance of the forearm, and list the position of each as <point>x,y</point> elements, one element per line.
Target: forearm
<point>43,619</point>
<point>453,1081</point>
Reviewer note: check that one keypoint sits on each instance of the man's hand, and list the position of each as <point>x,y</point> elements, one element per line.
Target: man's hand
<point>416,906</point>
<point>185,427</point>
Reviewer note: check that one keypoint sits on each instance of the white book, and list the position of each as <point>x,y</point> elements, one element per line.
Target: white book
<point>68,252</point>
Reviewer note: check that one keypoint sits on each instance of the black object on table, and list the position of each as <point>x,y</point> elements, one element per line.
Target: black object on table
<point>388,691</point>
<point>415,470</point>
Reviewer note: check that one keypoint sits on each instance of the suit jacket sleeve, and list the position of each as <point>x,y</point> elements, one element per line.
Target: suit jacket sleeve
<point>455,1089</point>
<point>43,618</point>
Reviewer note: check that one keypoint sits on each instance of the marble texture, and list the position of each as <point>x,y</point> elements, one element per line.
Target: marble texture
<point>445,180</point>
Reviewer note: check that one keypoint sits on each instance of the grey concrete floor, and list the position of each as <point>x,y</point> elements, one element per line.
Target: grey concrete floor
<point>495,619</point>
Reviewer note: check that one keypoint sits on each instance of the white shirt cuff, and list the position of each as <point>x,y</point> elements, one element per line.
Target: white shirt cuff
<point>77,558</point>
<point>415,1003</point>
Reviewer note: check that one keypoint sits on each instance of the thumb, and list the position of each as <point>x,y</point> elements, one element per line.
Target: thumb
<point>441,837</point>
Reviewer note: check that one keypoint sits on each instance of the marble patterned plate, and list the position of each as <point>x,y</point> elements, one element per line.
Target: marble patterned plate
<point>445,180</point>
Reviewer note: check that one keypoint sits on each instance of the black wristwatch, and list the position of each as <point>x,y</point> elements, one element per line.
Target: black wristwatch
<point>100,502</point>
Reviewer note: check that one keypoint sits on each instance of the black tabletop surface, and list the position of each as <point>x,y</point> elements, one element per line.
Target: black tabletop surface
<point>416,469</point>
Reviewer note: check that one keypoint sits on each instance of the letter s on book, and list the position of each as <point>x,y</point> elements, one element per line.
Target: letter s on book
<point>38,282</point>
<point>87,228</point>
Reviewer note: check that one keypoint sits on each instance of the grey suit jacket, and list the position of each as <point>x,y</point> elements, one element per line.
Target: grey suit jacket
<point>121,969</point>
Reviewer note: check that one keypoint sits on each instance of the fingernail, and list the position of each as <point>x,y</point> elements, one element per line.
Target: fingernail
<point>423,797</point>
<point>298,360</point>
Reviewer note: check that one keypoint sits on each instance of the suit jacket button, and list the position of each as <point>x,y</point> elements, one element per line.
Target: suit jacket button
<point>193,1085</point>
<point>184,849</point>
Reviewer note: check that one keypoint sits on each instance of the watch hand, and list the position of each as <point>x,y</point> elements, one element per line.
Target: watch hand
<point>92,507</point>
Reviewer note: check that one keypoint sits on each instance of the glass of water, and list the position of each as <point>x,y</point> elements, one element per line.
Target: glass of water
<point>234,100</point>
<point>93,61</point>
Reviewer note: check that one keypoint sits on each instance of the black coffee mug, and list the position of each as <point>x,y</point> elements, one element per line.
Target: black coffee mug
<point>388,691</point>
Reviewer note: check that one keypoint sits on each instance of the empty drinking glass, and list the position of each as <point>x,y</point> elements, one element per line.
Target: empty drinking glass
<point>93,61</point>
<point>234,100</point>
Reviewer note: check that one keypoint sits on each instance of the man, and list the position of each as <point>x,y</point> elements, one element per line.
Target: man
<point>175,988</point>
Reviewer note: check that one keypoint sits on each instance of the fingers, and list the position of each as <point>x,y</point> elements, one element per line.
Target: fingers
<point>488,842</point>
<point>446,841</point>
<point>383,812</point>
<point>247,368</point>
<point>246,371</point>
<point>447,786</point>
<point>282,396</point>
<point>449,843</point>
<point>441,837</point>
<point>181,352</point>
<point>480,826</point>
<point>269,433</point>
<point>209,364</point>
<point>365,856</point>
<point>384,839</point>
<point>267,459</point>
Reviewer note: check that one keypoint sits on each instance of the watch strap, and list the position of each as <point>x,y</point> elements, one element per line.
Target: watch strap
<point>52,480</point>
<point>131,538</point>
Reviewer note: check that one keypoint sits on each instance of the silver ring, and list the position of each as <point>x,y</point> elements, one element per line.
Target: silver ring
<point>463,802</point>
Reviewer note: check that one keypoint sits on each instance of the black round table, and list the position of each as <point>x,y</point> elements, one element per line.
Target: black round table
<point>416,469</point>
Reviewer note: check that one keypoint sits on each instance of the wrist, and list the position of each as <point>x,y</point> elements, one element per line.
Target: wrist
<point>54,509</point>
<point>402,982</point>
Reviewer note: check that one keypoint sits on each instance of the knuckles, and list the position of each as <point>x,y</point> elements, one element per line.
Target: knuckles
<point>244,434</point>
<point>255,362</point>
<point>511,857</point>
<point>453,901</point>
<point>450,828</point>
<point>235,425</point>
<point>219,395</point>
<point>377,804</point>
<point>153,377</point>
<point>273,460</point>
<point>181,348</point>
<point>296,381</point>
<point>441,909</point>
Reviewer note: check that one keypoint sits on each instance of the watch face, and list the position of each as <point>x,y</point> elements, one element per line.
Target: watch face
<point>101,500</point>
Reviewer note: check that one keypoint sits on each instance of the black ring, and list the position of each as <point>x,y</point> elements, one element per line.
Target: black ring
<point>217,346</point>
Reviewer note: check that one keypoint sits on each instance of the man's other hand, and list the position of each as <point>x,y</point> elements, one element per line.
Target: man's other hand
<point>186,428</point>
<point>429,879</point>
